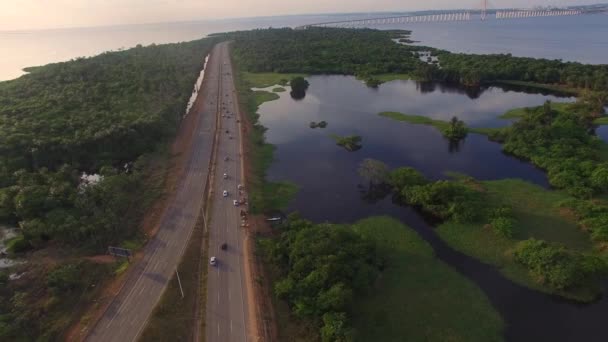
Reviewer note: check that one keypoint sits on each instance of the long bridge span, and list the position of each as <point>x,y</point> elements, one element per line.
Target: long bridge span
<point>455,16</point>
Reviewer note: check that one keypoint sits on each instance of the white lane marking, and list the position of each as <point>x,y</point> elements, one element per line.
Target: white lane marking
<point>231,327</point>
<point>218,329</point>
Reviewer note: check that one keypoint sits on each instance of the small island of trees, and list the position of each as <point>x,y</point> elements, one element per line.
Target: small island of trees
<point>351,143</point>
<point>320,124</point>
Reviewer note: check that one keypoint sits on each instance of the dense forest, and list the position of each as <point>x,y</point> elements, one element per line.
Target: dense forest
<point>559,142</point>
<point>108,116</point>
<point>92,115</point>
<point>367,52</point>
<point>323,269</point>
<point>324,51</point>
<point>473,70</point>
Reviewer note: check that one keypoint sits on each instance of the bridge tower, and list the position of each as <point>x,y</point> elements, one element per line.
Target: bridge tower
<point>484,9</point>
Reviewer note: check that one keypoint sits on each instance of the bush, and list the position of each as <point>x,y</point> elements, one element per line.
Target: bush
<point>556,266</point>
<point>503,226</point>
<point>18,245</point>
<point>65,278</point>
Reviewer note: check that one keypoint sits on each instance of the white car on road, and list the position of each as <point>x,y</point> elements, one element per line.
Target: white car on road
<point>225,193</point>
<point>213,261</point>
<point>235,202</point>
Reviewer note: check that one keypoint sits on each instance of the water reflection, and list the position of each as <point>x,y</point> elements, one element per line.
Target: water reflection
<point>330,188</point>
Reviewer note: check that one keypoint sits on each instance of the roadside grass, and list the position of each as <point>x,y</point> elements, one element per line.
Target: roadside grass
<point>263,195</point>
<point>173,318</point>
<point>538,214</point>
<point>418,297</point>
<point>278,90</point>
<point>441,125</point>
<point>267,79</point>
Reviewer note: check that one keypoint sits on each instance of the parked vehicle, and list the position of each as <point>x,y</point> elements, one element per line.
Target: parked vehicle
<point>225,193</point>
<point>213,261</point>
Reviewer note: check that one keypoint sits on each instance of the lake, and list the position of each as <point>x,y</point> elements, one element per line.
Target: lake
<point>331,190</point>
<point>576,38</point>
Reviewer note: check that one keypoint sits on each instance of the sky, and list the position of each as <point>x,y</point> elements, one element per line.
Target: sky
<point>41,14</point>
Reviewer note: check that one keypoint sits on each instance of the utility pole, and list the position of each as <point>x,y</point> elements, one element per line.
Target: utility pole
<point>180,283</point>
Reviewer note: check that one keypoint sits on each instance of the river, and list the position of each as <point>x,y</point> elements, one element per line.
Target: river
<point>576,38</point>
<point>330,188</point>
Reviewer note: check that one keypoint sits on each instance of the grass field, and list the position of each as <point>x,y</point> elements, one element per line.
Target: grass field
<point>541,86</point>
<point>519,112</point>
<point>418,297</point>
<point>268,79</point>
<point>439,124</point>
<point>538,214</point>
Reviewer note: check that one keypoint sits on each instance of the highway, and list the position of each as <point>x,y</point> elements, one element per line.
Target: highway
<point>227,307</point>
<point>126,316</point>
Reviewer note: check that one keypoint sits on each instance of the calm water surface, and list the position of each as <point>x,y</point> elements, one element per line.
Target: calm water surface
<point>577,38</point>
<point>329,185</point>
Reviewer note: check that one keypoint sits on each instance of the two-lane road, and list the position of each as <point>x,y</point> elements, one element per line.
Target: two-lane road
<point>227,308</point>
<point>127,315</point>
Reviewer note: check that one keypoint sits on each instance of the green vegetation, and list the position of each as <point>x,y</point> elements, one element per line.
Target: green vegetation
<point>351,143</point>
<point>516,113</point>
<point>320,124</point>
<point>414,299</point>
<point>454,129</point>
<point>298,87</point>
<point>472,70</point>
<point>266,79</point>
<point>559,142</point>
<point>556,266</point>
<point>324,51</point>
<point>533,213</point>
<point>263,196</point>
<point>44,302</point>
<point>262,96</point>
<point>89,115</point>
<point>278,90</point>
<point>325,271</point>
<point>109,116</point>
<point>324,268</point>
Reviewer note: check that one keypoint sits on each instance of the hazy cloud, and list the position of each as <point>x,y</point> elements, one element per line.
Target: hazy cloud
<point>34,14</point>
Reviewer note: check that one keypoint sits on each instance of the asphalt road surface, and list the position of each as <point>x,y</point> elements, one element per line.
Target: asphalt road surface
<point>226,318</point>
<point>125,318</point>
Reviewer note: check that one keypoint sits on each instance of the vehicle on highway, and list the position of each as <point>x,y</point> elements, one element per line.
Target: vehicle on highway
<point>226,158</point>
<point>235,202</point>
<point>224,246</point>
<point>225,193</point>
<point>225,176</point>
<point>241,187</point>
<point>213,261</point>
<point>227,131</point>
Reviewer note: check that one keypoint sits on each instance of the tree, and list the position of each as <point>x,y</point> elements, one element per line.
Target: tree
<point>373,171</point>
<point>298,87</point>
<point>406,176</point>
<point>456,129</point>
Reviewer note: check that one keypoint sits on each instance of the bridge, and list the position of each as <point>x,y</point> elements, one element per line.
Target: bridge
<point>455,16</point>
